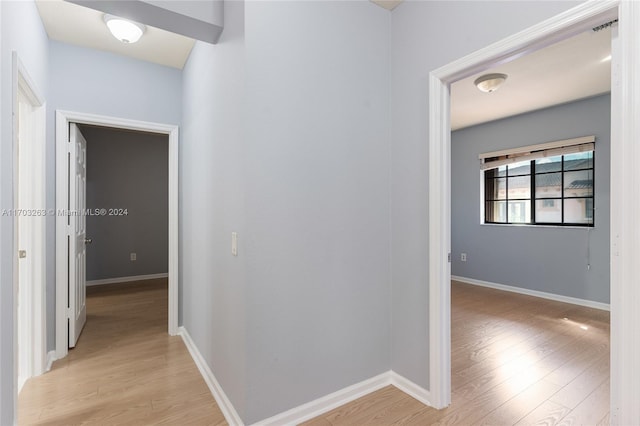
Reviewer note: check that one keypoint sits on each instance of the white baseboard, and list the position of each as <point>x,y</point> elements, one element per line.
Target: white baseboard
<point>229,412</point>
<point>410,388</point>
<point>127,279</point>
<point>541,294</point>
<point>327,403</point>
<point>51,356</point>
<point>310,409</point>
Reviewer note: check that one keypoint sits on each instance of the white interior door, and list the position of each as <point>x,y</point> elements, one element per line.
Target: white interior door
<point>77,233</point>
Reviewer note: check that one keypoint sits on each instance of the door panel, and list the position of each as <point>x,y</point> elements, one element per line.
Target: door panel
<point>77,233</point>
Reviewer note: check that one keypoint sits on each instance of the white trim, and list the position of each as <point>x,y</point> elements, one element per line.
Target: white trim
<point>410,388</point>
<point>311,409</point>
<point>127,279</point>
<point>51,357</point>
<point>225,405</point>
<point>327,403</point>
<point>540,147</point>
<point>625,229</point>
<point>535,293</point>
<point>34,297</point>
<point>570,22</point>
<point>63,118</point>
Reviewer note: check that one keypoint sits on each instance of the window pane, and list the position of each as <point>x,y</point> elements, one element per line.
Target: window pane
<point>501,171</point>
<point>495,189</point>
<point>521,168</point>
<point>580,160</point>
<point>519,211</point>
<point>548,185</point>
<point>575,210</point>
<point>496,211</point>
<point>578,184</point>
<point>549,164</point>
<point>519,187</point>
<point>549,211</point>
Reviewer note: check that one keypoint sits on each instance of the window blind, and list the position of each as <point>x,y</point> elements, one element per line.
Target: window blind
<point>495,159</point>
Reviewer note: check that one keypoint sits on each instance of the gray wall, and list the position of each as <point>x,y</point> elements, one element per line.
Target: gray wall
<point>91,81</point>
<point>317,199</point>
<point>211,196</point>
<point>426,35</point>
<point>21,30</point>
<point>127,170</point>
<point>285,140</point>
<point>548,259</point>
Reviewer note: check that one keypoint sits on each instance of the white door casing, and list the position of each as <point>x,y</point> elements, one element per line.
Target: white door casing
<point>64,121</point>
<point>77,232</point>
<point>29,203</point>
<point>625,178</point>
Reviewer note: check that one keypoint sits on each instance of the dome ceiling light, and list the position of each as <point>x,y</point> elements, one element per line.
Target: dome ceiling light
<point>124,30</point>
<point>490,82</point>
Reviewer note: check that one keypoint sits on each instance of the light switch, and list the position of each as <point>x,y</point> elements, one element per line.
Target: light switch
<point>234,243</point>
<point>133,257</point>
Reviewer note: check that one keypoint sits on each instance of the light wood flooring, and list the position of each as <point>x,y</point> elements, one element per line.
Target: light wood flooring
<point>125,369</point>
<point>515,360</point>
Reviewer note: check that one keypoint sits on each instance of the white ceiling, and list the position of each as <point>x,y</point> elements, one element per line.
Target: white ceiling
<point>566,71</point>
<point>74,24</point>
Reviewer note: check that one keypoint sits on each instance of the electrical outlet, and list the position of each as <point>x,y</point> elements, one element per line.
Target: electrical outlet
<point>133,256</point>
<point>463,257</point>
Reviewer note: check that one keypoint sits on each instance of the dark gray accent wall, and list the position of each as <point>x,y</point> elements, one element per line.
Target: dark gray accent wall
<point>128,176</point>
<point>549,259</point>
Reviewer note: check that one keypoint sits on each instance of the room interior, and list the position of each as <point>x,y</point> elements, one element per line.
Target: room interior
<point>284,163</point>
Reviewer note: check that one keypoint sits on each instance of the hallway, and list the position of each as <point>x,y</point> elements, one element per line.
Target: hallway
<point>124,370</point>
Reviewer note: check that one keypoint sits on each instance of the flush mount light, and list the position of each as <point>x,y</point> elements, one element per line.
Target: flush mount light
<point>124,30</point>
<point>490,82</point>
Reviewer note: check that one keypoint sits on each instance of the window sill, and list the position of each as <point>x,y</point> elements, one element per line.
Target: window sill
<point>526,225</point>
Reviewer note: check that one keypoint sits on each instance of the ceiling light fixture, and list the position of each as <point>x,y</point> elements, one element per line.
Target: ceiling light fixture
<point>490,82</point>
<point>124,30</point>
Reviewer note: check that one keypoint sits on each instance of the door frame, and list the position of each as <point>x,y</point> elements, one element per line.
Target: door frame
<point>23,84</point>
<point>63,119</point>
<point>625,179</point>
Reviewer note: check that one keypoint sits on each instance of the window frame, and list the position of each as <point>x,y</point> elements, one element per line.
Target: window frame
<point>484,201</point>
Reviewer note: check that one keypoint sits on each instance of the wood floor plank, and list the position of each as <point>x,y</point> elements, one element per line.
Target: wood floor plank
<point>510,355</point>
<point>592,409</point>
<point>125,369</point>
<point>546,414</point>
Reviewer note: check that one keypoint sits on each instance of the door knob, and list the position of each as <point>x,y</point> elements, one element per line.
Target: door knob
<point>88,240</point>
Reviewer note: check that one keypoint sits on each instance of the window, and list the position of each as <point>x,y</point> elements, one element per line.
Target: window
<point>546,184</point>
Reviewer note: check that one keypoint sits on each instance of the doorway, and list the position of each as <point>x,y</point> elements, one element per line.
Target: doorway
<point>624,132</point>
<point>65,123</point>
<point>29,224</point>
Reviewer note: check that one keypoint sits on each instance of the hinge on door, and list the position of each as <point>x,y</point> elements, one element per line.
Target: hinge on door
<point>69,313</point>
<point>449,257</point>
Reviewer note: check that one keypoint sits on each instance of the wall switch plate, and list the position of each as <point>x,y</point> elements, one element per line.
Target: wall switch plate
<point>133,256</point>
<point>234,243</point>
<point>463,257</point>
